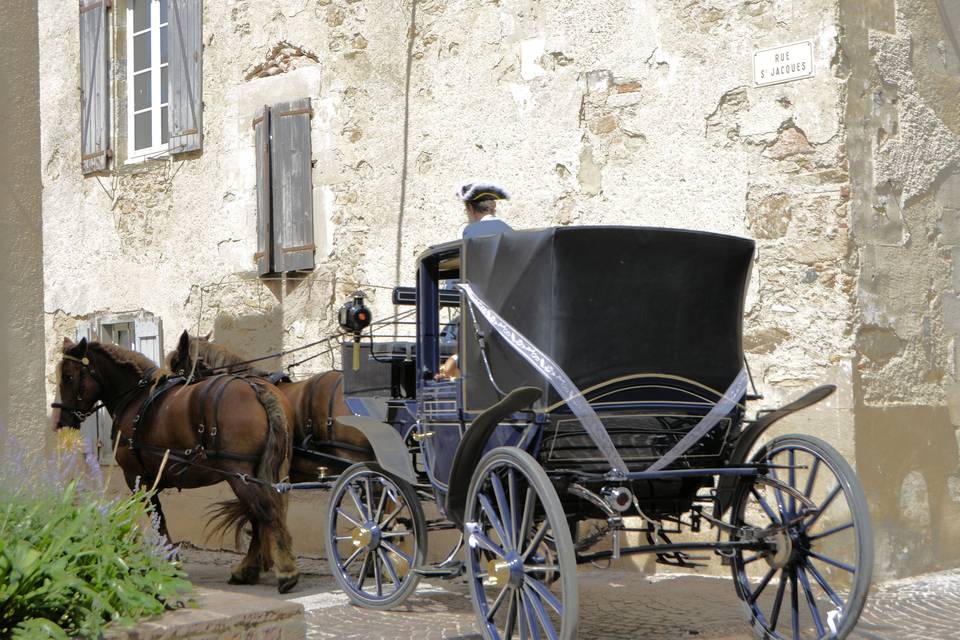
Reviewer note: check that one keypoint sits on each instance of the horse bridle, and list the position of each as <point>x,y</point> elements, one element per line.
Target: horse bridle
<point>79,415</point>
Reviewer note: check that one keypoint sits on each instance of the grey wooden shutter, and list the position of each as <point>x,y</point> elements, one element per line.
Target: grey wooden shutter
<point>185,109</point>
<point>94,87</point>
<point>261,128</point>
<point>148,335</point>
<point>292,185</point>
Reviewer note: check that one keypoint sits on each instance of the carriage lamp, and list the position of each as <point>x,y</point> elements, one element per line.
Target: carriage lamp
<point>354,317</point>
<point>619,498</point>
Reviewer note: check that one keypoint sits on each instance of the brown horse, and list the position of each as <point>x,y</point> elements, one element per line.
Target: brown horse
<point>246,441</point>
<point>317,402</point>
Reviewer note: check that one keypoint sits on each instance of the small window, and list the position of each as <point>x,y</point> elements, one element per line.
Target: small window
<point>147,62</point>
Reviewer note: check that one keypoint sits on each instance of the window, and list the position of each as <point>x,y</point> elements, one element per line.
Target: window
<point>147,78</point>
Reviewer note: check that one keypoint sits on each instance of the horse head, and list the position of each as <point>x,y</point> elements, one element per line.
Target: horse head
<point>80,387</point>
<point>190,350</point>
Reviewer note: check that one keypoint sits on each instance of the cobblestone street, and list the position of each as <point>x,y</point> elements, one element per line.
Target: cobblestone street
<point>614,604</point>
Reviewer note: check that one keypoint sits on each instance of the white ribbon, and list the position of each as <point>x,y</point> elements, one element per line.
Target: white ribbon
<point>555,376</point>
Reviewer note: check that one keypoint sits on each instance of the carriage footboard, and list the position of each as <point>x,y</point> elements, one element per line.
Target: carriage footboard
<point>749,437</point>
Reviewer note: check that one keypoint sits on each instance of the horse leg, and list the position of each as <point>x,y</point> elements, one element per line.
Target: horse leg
<point>247,571</point>
<point>286,565</point>
<point>161,519</point>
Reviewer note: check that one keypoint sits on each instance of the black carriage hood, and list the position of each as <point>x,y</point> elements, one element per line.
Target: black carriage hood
<point>611,306</point>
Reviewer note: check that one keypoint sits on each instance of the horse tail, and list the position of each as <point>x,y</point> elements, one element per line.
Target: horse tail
<point>274,462</point>
<point>275,459</point>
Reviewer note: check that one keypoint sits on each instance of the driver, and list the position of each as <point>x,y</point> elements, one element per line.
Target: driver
<point>480,204</point>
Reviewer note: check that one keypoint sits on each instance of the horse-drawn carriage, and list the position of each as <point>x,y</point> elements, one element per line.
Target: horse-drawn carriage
<point>600,410</point>
<point>601,404</point>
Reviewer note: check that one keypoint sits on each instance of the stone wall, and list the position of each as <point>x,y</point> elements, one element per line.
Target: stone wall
<point>903,137</point>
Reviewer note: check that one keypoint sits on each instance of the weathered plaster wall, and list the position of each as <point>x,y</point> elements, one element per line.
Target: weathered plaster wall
<point>903,141</point>
<point>21,277</point>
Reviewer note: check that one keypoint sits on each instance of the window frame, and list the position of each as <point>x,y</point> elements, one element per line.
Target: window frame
<point>161,149</point>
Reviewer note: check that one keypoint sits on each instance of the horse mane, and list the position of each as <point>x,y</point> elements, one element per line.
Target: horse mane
<point>123,357</point>
<point>217,356</point>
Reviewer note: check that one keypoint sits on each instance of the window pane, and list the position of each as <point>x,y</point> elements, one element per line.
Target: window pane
<point>164,129</point>
<point>141,91</point>
<point>141,15</point>
<point>163,11</point>
<point>143,126</point>
<point>163,45</point>
<point>163,85</point>
<point>141,51</point>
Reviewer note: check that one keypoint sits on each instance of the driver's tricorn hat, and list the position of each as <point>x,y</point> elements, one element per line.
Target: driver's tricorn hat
<point>478,191</point>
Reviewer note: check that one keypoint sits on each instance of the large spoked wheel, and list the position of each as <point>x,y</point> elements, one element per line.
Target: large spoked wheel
<point>519,586</point>
<point>376,535</point>
<point>811,577</point>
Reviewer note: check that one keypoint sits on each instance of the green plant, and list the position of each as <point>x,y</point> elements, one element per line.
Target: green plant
<point>72,560</point>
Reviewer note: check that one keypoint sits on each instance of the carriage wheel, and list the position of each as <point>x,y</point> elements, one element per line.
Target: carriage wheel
<point>811,581</point>
<point>376,535</point>
<point>519,588</point>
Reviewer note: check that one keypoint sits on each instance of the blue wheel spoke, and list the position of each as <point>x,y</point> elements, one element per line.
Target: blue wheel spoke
<point>823,508</point>
<point>514,510</point>
<point>837,600</point>
<point>380,506</point>
<point>377,576</point>
<point>792,479</point>
<point>484,541</point>
<point>501,597</point>
<point>811,601</point>
<point>540,613</point>
<point>529,615</point>
<point>544,592</point>
<point>388,565</point>
<point>763,585</point>
<point>390,518</point>
<point>778,601</point>
<point>369,486</point>
<point>494,520</point>
<point>512,614</point>
<point>830,532</point>
<point>357,502</point>
<point>812,478</point>
<point>353,556</point>
<point>506,515</point>
<point>766,507</point>
<point>363,572</point>
<point>529,502</point>
<point>784,512</point>
<point>347,517</point>
<point>794,606</point>
<point>522,623</point>
<point>831,561</point>
<point>397,551</point>
<point>535,541</point>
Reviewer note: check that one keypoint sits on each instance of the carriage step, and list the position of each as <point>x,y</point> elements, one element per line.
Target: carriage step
<point>453,571</point>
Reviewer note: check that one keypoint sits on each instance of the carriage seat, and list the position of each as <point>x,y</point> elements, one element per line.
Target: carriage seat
<point>389,370</point>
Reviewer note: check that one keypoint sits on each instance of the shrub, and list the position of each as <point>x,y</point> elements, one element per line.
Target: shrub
<point>72,559</point>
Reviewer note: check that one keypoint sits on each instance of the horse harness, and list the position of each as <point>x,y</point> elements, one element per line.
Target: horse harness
<point>312,419</point>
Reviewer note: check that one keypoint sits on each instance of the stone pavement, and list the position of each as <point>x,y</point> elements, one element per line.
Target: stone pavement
<point>614,604</point>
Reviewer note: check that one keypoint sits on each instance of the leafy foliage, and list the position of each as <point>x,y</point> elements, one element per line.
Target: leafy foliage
<point>72,559</point>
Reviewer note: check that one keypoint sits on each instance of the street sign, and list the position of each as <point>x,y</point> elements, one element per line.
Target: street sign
<point>784,63</point>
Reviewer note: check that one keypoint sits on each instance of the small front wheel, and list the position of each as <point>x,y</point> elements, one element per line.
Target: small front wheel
<point>810,576</point>
<point>520,587</point>
<point>376,535</point>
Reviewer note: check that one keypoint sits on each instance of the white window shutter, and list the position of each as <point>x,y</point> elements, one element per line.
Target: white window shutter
<point>149,336</point>
<point>185,110</point>
<point>94,86</point>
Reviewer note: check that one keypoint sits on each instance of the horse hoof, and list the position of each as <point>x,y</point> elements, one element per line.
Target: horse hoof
<point>247,575</point>
<point>286,583</point>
